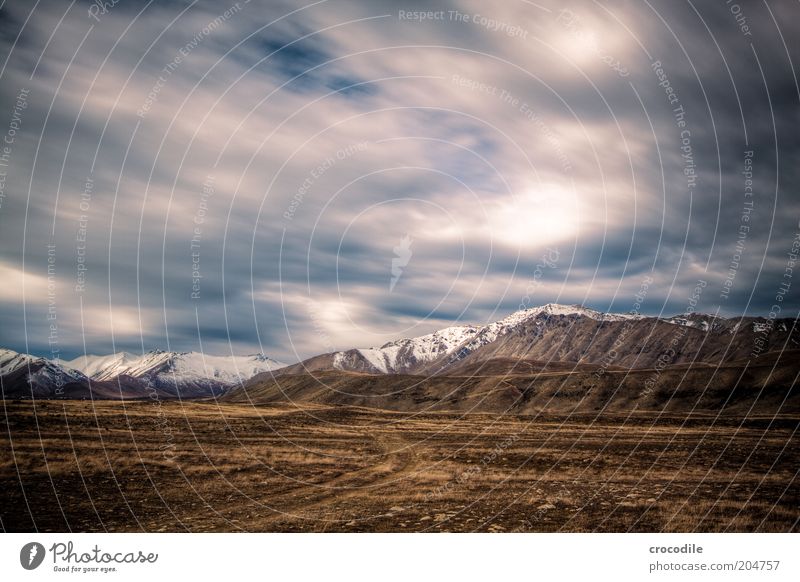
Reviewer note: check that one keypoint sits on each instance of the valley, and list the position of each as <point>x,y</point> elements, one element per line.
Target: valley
<point>211,466</point>
<point>555,418</point>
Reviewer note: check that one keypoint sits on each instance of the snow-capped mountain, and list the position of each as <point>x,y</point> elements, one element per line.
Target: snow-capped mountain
<point>553,335</point>
<point>125,375</point>
<point>558,333</point>
<point>37,373</point>
<point>396,357</point>
<point>446,346</point>
<point>163,366</point>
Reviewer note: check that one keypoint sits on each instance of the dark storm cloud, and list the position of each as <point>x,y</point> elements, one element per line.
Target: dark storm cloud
<point>286,152</point>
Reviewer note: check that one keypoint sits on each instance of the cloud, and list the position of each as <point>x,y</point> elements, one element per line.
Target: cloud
<point>268,157</point>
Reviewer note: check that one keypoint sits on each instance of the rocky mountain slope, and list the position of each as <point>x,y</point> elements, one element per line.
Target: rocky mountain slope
<point>760,388</point>
<point>566,333</point>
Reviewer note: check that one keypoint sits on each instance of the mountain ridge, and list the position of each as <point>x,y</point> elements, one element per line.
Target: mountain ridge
<point>125,375</point>
<point>555,332</point>
<point>551,336</point>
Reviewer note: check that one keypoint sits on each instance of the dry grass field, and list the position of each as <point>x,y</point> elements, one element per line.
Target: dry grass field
<point>133,466</point>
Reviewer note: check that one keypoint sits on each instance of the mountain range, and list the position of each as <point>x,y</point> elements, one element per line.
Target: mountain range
<point>538,341</point>
<point>125,375</point>
<point>566,335</point>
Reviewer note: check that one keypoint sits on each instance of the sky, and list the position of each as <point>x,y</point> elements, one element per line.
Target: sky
<point>296,178</point>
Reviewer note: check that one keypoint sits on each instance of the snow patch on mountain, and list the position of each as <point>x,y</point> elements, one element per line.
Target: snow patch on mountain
<point>429,347</point>
<point>95,366</point>
<point>11,361</point>
<point>377,358</point>
<point>397,356</point>
<point>338,361</point>
<point>39,369</point>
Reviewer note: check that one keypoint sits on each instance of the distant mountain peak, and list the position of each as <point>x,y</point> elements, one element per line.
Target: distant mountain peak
<point>177,366</point>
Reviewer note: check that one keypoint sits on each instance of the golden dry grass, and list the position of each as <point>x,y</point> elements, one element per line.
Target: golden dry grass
<point>206,467</point>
